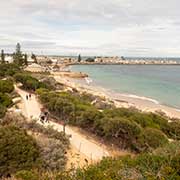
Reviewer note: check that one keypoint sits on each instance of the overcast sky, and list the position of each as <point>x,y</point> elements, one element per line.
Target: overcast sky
<point>95,27</point>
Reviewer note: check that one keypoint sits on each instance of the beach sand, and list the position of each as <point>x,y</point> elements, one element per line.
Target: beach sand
<point>120,100</point>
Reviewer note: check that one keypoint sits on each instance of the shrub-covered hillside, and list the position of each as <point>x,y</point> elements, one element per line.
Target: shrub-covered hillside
<point>26,145</point>
<point>126,128</point>
<point>162,164</point>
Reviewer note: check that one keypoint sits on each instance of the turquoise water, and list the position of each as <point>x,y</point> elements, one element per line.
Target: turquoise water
<point>159,82</point>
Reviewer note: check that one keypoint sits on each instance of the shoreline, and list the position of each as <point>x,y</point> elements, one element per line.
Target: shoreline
<point>129,63</point>
<point>144,104</point>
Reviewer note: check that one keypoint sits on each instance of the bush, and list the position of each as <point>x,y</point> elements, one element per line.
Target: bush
<point>87,117</point>
<point>5,100</point>
<point>9,69</point>
<point>144,119</point>
<point>18,151</point>
<point>53,154</point>
<point>160,120</point>
<point>121,127</point>
<point>120,112</point>
<point>29,82</point>
<point>26,175</point>
<point>6,86</point>
<point>2,111</point>
<point>174,130</point>
<point>150,139</point>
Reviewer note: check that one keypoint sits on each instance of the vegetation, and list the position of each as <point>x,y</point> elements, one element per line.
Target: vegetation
<point>2,111</point>
<point>5,100</point>
<point>29,82</point>
<point>90,60</point>
<point>50,146</point>
<point>31,152</point>
<point>145,166</point>
<point>126,128</point>
<point>33,56</point>
<point>25,59</point>
<point>8,69</point>
<point>6,86</point>
<point>18,56</point>
<point>2,56</point>
<point>162,164</point>
<point>17,150</point>
<point>79,58</point>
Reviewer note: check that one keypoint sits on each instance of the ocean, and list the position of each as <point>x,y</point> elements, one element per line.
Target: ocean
<point>160,83</point>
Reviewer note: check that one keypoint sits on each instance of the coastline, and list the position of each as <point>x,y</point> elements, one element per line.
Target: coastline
<point>144,104</point>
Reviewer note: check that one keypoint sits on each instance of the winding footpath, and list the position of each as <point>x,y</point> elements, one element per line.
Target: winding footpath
<point>91,149</point>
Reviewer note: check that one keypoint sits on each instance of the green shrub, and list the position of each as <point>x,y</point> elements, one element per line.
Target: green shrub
<point>26,175</point>
<point>169,149</point>
<point>6,86</point>
<point>160,120</point>
<point>144,119</point>
<point>174,130</point>
<point>5,100</point>
<point>120,127</point>
<point>9,69</point>
<point>150,139</point>
<point>120,112</point>
<point>87,117</point>
<point>29,82</point>
<point>18,151</point>
<point>2,111</point>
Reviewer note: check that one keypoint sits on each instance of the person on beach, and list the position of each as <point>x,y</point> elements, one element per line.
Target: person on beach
<point>26,97</point>
<point>29,96</point>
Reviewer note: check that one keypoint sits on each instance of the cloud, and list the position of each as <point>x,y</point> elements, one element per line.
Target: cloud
<point>118,27</point>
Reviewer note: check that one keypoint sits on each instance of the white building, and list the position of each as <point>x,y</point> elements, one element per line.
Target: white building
<point>9,59</point>
<point>35,68</point>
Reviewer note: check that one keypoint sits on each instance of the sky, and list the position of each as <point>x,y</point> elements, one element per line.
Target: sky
<point>90,28</point>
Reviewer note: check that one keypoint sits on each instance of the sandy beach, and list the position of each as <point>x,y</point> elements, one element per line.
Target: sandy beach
<point>120,100</point>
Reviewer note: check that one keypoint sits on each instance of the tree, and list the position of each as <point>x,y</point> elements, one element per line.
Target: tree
<point>90,60</point>
<point>33,56</point>
<point>79,58</point>
<point>25,60</point>
<point>18,57</point>
<point>2,56</point>
<point>123,58</point>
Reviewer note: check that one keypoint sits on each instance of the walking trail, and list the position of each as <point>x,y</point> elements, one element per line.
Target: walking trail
<point>91,149</point>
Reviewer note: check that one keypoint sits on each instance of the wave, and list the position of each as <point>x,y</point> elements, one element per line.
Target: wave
<point>140,97</point>
<point>177,110</point>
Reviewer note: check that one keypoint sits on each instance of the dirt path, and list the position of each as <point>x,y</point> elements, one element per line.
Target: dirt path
<point>89,148</point>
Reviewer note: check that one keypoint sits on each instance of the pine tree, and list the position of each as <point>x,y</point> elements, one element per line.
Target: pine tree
<point>25,60</point>
<point>79,58</point>
<point>2,56</point>
<point>33,56</point>
<point>17,56</point>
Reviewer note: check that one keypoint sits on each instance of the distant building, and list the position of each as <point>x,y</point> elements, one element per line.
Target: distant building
<point>9,59</point>
<point>35,68</point>
<point>108,59</point>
